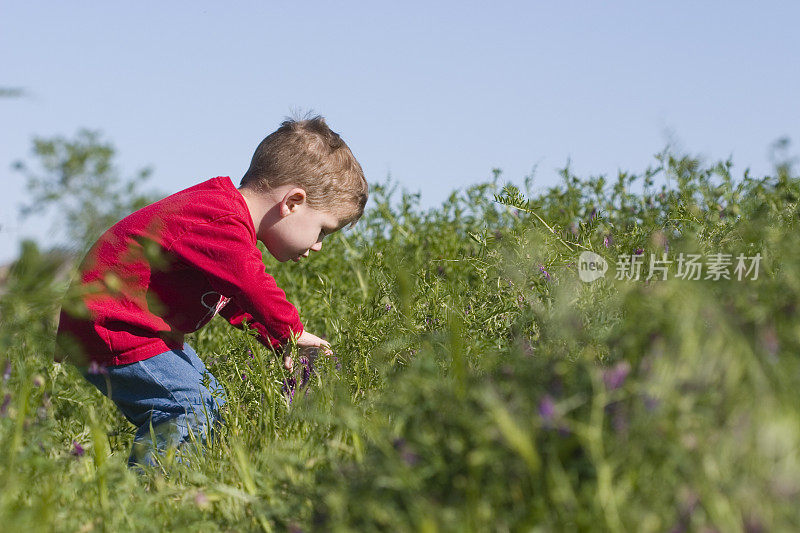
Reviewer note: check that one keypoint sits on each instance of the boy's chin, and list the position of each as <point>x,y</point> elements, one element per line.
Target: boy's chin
<point>284,257</point>
<point>279,257</point>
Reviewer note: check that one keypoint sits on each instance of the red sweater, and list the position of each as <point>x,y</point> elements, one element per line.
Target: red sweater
<point>165,271</point>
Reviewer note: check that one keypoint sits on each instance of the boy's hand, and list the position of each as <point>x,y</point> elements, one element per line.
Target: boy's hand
<point>306,342</point>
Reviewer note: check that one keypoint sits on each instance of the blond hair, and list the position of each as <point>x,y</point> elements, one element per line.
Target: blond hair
<point>306,153</point>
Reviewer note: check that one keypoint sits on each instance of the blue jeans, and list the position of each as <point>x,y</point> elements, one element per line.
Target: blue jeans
<point>171,397</point>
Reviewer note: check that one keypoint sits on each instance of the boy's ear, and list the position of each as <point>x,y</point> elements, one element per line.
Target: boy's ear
<point>292,200</point>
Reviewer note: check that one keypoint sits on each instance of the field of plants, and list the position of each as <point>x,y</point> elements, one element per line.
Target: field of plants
<point>478,384</point>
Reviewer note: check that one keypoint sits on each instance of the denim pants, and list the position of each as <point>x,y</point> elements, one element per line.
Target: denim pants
<point>170,396</point>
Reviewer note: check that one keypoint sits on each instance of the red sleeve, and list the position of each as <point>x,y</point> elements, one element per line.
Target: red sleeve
<point>224,249</point>
<point>240,319</point>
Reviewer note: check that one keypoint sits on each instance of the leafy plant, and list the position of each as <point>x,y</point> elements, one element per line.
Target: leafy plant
<point>477,383</point>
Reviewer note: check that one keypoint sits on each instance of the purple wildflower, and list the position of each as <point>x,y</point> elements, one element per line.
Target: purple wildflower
<point>527,347</point>
<point>77,449</point>
<point>547,409</point>
<point>244,376</point>
<point>650,403</point>
<point>660,240</point>
<point>619,418</point>
<point>288,388</point>
<point>615,377</point>
<point>608,241</point>
<point>639,251</point>
<point>406,452</point>
<point>686,509</point>
<point>4,407</point>
<point>545,272</point>
<point>95,369</point>
<point>306,369</point>
<point>338,365</point>
<point>409,457</point>
<point>592,214</point>
<point>753,524</point>
<point>201,500</point>
<point>769,341</point>
<point>388,307</point>
<point>620,421</point>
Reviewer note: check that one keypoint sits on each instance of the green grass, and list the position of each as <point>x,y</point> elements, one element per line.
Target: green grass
<point>471,391</point>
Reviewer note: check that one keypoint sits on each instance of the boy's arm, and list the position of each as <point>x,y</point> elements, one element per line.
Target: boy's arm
<point>242,320</point>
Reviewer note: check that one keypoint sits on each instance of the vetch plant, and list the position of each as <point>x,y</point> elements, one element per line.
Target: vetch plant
<point>477,382</point>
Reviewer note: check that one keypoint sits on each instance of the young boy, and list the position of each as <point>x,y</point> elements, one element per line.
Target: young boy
<point>167,269</point>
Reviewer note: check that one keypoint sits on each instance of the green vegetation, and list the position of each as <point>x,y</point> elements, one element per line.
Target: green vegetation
<point>478,384</point>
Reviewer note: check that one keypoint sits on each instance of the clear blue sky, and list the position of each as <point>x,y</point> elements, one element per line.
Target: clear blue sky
<point>435,93</point>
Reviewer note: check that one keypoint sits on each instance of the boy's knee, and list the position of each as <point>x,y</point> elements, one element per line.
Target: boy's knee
<point>179,433</point>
